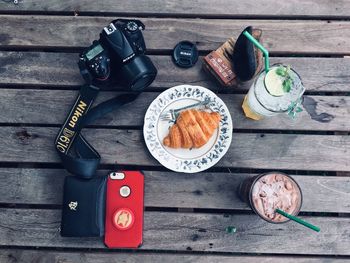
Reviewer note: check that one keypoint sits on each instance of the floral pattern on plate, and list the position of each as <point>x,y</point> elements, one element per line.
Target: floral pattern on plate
<point>186,160</point>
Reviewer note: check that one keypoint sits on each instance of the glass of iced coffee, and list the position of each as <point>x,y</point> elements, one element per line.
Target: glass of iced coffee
<point>267,192</point>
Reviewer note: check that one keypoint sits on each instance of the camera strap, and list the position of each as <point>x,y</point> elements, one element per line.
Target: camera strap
<point>77,155</point>
<point>84,72</point>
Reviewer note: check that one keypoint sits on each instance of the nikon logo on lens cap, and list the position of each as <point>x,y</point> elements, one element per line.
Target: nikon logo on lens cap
<point>185,54</point>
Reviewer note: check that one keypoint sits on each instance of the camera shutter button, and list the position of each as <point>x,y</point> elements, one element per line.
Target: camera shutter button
<point>125,191</point>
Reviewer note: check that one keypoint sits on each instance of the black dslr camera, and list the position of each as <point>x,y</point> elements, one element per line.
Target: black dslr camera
<point>118,57</point>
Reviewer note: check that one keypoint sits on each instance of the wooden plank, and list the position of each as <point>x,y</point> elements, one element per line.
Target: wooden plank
<point>52,256</point>
<point>260,151</point>
<point>187,231</point>
<point>323,113</point>
<point>280,36</point>
<point>60,69</point>
<point>307,8</point>
<point>166,189</point>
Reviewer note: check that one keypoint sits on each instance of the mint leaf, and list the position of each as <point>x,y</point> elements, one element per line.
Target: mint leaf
<point>281,71</point>
<point>287,85</point>
<point>284,73</point>
<point>299,110</point>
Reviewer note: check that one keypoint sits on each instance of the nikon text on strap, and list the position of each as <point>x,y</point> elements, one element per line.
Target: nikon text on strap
<point>77,155</point>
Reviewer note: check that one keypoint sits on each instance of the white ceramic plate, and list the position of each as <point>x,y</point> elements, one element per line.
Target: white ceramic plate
<point>186,160</point>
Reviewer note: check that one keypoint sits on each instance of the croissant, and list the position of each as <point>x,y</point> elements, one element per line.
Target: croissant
<point>193,129</point>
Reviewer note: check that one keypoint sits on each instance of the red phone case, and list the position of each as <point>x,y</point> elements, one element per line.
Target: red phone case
<point>124,209</point>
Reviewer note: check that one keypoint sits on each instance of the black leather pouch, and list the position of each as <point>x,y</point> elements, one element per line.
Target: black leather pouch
<point>83,211</point>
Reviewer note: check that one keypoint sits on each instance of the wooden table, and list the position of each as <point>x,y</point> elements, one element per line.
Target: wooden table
<point>186,215</point>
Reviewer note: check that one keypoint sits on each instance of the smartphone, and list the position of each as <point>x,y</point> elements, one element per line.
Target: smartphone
<point>124,209</point>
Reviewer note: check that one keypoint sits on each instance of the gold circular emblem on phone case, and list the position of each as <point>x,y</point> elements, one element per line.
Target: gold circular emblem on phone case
<point>123,218</point>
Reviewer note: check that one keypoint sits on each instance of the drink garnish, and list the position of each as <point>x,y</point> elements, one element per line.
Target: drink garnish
<point>284,73</point>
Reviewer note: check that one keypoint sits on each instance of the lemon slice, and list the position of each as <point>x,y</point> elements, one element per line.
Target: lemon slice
<point>274,83</point>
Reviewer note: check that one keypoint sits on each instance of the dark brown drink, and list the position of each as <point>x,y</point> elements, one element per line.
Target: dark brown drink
<point>267,192</point>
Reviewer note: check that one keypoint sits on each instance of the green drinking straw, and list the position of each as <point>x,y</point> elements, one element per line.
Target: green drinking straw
<point>298,220</point>
<point>259,46</point>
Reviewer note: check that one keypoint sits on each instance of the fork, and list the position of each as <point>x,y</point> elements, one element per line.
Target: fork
<point>172,115</point>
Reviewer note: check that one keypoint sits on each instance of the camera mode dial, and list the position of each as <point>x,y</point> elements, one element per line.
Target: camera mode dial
<point>132,26</point>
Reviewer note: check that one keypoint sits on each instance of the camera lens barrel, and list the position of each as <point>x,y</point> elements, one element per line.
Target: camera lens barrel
<point>138,74</point>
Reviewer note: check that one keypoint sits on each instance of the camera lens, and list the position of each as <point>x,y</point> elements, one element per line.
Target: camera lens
<point>142,82</point>
<point>139,73</point>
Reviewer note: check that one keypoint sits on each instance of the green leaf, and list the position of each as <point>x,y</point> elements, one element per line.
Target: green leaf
<point>281,71</point>
<point>292,114</point>
<point>287,85</point>
<point>231,229</point>
<point>299,110</point>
